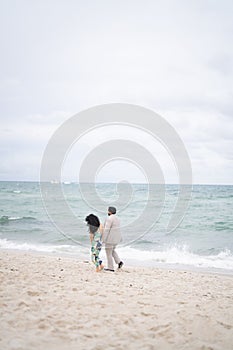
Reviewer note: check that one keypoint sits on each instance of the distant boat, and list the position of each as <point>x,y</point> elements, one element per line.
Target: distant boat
<point>54,182</point>
<point>66,182</point>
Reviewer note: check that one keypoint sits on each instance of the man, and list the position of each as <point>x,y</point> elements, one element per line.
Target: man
<point>111,237</point>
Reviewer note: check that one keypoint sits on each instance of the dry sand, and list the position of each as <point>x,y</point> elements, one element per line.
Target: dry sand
<point>48,302</point>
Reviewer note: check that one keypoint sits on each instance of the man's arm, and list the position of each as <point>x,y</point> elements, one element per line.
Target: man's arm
<point>107,228</point>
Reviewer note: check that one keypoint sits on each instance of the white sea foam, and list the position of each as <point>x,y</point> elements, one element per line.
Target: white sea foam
<point>180,255</point>
<point>175,255</point>
<point>12,218</point>
<point>68,249</point>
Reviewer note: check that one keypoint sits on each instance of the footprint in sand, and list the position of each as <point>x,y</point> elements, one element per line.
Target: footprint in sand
<point>33,293</point>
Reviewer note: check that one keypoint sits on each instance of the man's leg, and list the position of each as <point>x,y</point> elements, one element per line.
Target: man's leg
<point>108,250</point>
<point>115,255</point>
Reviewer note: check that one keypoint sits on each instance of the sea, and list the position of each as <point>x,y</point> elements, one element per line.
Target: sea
<point>202,241</point>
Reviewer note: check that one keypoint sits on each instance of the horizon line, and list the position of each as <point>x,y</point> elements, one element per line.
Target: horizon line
<point>134,183</point>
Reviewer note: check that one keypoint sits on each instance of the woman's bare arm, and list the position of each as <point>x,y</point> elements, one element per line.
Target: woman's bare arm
<point>91,237</point>
<point>101,228</point>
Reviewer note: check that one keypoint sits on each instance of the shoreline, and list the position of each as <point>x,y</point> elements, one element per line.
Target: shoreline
<point>61,302</point>
<point>133,263</point>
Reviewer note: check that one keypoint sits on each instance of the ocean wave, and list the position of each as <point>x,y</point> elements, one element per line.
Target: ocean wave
<point>223,226</point>
<point>180,255</point>
<point>24,246</point>
<point>5,219</point>
<point>174,255</point>
<point>3,190</point>
<point>6,244</point>
<point>141,242</point>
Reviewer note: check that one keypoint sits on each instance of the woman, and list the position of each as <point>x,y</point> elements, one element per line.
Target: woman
<point>96,230</point>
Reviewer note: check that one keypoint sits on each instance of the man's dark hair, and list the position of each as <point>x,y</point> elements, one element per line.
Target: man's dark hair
<point>112,210</point>
<point>93,222</point>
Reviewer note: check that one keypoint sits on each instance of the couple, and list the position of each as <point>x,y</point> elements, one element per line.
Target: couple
<point>109,234</point>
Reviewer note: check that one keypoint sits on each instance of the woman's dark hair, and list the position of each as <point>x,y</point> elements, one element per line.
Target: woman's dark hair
<point>93,222</point>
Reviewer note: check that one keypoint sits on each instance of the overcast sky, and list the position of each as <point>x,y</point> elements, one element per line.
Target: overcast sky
<point>60,57</point>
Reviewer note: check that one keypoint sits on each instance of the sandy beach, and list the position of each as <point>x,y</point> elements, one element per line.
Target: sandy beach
<point>62,303</point>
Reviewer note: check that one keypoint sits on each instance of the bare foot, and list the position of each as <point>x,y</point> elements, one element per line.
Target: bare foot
<point>99,268</point>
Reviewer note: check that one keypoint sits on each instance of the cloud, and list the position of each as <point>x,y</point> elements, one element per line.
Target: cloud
<point>174,57</point>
